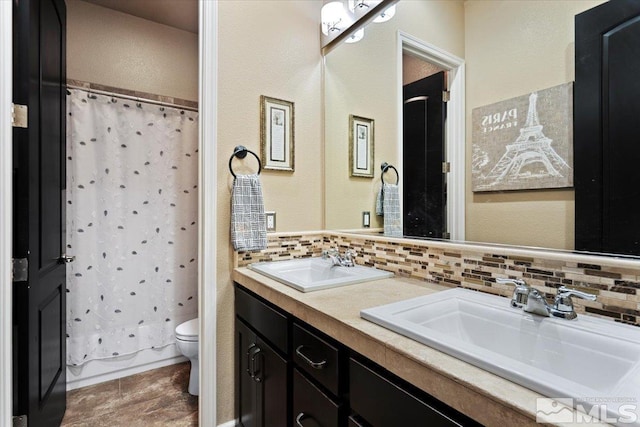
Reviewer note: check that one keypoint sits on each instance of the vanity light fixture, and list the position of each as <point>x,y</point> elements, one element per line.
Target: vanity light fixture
<point>334,18</point>
<point>338,17</point>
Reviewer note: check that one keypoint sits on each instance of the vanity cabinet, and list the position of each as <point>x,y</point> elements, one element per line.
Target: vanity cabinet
<point>288,374</point>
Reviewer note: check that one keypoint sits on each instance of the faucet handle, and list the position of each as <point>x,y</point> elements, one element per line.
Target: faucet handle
<point>563,302</point>
<point>520,293</point>
<point>515,282</point>
<point>568,292</point>
<point>329,252</point>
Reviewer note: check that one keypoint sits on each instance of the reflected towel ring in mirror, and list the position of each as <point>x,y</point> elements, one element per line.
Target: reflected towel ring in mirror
<point>241,152</point>
<point>385,166</point>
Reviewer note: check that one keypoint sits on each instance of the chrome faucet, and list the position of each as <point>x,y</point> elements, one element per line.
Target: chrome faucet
<point>346,260</point>
<point>532,301</point>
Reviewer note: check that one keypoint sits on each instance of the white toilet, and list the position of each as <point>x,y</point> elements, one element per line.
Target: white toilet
<point>187,341</point>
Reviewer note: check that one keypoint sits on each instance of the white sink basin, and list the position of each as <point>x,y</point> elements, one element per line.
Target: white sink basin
<point>313,274</point>
<point>582,359</point>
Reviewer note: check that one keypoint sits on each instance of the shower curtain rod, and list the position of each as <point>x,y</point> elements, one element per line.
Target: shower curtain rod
<point>133,98</point>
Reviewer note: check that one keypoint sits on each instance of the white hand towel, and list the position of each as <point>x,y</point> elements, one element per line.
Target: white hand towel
<point>392,218</point>
<point>248,222</point>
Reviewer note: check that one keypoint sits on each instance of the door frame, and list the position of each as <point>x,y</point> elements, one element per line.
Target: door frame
<point>207,212</point>
<point>455,136</point>
<point>6,203</point>
<point>208,51</point>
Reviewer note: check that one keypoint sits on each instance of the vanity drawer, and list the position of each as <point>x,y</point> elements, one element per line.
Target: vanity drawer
<point>311,407</point>
<point>382,403</point>
<point>317,357</point>
<point>267,321</point>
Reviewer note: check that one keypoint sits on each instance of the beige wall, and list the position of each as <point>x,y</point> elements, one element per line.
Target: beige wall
<point>115,49</point>
<point>414,69</point>
<point>265,48</point>
<point>361,79</point>
<point>513,48</point>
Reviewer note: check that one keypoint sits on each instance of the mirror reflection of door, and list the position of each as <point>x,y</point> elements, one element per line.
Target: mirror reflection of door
<point>423,148</point>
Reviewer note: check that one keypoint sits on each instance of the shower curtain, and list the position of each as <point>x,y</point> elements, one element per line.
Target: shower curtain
<point>132,209</point>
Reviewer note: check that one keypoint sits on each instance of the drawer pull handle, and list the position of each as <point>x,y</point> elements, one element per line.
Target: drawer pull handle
<point>314,365</point>
<point>301,416</point>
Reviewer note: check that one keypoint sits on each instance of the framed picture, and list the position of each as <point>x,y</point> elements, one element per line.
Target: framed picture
<point>276,133</point>
<point>524,143</point>
<point>360,146</point>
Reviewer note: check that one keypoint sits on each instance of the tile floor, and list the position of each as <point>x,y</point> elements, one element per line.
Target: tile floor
<point>154,398</point>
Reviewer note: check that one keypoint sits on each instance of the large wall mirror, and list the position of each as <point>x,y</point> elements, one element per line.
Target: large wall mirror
<point>510,49</point>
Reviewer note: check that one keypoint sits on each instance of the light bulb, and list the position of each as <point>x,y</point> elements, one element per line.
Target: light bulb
<point>355,37</point>
<point>333,17</point>
<point>386,15</point>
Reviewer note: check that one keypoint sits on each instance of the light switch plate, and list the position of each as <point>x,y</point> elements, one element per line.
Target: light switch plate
<point>366,219</point>
<point>271,221</point>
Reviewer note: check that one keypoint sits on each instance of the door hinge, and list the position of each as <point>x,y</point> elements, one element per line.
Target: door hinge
<point>446,96</point>
<point>19,115</point>
<point>20,269</point>
<point>20,421</point>
<point>446,167</point>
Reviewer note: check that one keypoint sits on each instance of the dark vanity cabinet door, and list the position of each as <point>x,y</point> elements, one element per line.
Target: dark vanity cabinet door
<point>262,379</point>
<point>261,382</point>
<point>246,387</point>
<point>271,379</point>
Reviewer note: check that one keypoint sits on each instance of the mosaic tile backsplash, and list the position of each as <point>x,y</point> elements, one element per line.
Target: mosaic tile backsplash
<point>617,288</point>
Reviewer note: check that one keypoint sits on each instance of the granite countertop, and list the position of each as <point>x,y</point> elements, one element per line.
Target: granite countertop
<point>485,397</point>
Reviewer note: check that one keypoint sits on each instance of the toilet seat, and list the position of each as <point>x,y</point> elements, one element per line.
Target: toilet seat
<point>188,331</point>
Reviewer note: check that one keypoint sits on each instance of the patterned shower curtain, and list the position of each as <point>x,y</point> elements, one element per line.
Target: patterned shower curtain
<point>132,209</point>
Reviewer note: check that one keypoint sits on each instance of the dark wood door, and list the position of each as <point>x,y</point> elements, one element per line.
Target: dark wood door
<point>606,128</point>
<point>424,194</point>
<point>39,185</point>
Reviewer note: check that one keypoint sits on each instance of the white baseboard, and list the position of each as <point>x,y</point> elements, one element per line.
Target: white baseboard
<point>99,371</point>
<point>231,423</point>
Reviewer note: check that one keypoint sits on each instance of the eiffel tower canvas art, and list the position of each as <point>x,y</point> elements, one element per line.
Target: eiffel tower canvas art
<point>525,142</point>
